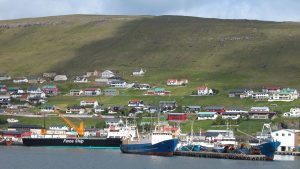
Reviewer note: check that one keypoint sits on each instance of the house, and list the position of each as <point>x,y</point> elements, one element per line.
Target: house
<point>234,113</point>
<point>114,122</point>
<point>59,128</point>
<point>75,110</point>
<point>114,109</point>
<point>138,72</point>
<point>289,139</point>
<point>89,103</point>
<point>4,77</point>
<point>34,89</point>
<point>60,78</point>
<point>76,92</point>
<point>107,74</point>
<point>94,73</point>
<point>207,115</point>
<point>80,79</point>
<point>35,92</point>
<point>204,91</point>
<point>3,88</point>
<point>175,82</point>
<point>231,115</point>
<point>50,89</point>
<point>92,92</point>
<point>217,109</point>
<point>167,105</point>
<point>4,100</point>
<point>285,94</point>
<point>294,112</point>
<point>33,79</point>
<point>110,92</point>
<point>13,90</point>
<point>49,75</point>
<point>190,109</point>
<point>241,93</point>
<point>118,84</point>
<point>47,109</point>
<point>158,91</point>
<point>100,109</point>
<point>102,81</point>
<point>36,100</point>
<point>141,86</point>
<point>20,80</point>
<point>271,89</point>
<point>136,104</point>
<point>260,96</point>
<point>177,117</point>
<point>260,113</point>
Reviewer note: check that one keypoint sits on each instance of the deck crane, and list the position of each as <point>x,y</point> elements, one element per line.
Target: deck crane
<point>80,130</point>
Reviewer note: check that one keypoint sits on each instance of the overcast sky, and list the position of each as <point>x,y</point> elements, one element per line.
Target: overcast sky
<point>274,10</point>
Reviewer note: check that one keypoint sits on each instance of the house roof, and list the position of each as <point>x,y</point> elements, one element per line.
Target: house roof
<point>91,89</point>
<point>50,86</point>
<point>33,88</point>
<point>271,87</point>
<point>201,87</point>
<point>137,69</point>
<point>214,107</point>
<point>206,113</point>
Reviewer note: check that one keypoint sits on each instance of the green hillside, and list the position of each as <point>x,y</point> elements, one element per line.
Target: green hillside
<point>220,52</point>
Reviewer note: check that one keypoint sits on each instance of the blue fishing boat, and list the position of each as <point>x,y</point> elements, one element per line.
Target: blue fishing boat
<point>269,148</point>
<point>157,143</point>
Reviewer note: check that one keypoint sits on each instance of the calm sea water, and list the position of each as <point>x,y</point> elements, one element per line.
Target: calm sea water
<point>18,157</point>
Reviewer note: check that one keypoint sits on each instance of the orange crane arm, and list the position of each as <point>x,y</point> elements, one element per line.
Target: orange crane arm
<point>80,130</point>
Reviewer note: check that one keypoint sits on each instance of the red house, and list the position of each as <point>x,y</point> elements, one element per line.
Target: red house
<point>177,117</point>
<point>50,89</point>
<point>218,109</point>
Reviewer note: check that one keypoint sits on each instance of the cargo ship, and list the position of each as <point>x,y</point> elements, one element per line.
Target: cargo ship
<point>111,139</point>
<point>160,143</point>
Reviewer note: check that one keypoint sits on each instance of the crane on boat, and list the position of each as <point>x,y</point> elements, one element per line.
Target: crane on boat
<point>80,130</point>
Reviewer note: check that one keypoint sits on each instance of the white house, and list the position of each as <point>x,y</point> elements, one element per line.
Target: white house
<point>80,79</point>
<point>138,72</point>
<point>20,80</point>
<point>294,112</point>
<point>118,84</point>
<point>47,109</point>
<point>289,138</point>
<point>75,110</point>
<point>76,92</point>
<point>285,94</point>
<point>114,122</point>
<point>59,127</point>
<point>204,90</point>
<point>207,115</point>
<point>92,103</point>
<point>92,92</point>
<point>60,78</point>
<point>107,74</point>
<point>260,96</point>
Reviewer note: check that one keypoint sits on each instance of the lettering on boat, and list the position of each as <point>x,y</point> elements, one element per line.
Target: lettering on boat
<point>72,141</point>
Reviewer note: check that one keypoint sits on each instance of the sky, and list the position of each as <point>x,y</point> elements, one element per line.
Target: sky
<point>270,10</point>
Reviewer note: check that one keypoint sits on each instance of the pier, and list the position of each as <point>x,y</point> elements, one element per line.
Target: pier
<point>220,155</point>
<point>288,153</point>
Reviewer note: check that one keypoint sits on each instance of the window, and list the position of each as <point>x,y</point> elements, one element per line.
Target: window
<point>276,134</point>
<point>283,134</point>
<point>289,134</point>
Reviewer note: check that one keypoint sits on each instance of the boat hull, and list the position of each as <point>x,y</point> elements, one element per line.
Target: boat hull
<point>268,149</point>
<point>80,142</point>
<point>164,148</point>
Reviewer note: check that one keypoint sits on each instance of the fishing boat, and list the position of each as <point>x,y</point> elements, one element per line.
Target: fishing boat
<point>158,142</point>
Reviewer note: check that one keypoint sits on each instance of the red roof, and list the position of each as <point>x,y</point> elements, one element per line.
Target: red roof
<point>171,80</point>
<point>201,88</point>
<point>272,87</point>
<point>92,89</point>
<point>135,100</point>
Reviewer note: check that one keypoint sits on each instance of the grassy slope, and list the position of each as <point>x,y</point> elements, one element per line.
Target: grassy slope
<point>221,53</point>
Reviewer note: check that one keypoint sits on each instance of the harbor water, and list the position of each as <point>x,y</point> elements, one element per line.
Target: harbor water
<point>19,157</point>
